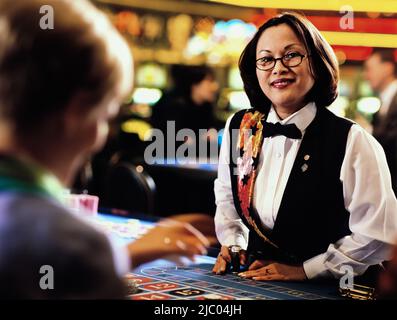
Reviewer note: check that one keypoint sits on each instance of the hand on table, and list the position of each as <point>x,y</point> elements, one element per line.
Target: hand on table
<point>269,270</point>
<point>184,235</point>
<point>224,258</point>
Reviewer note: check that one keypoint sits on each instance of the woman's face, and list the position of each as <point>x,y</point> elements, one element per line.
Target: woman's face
<point>286,87</point>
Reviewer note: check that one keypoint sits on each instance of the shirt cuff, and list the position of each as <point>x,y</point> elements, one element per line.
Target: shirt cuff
<point>235,239</point>
<point>315,267</point>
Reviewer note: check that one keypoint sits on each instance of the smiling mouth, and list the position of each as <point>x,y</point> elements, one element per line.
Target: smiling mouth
<point>282,83</point>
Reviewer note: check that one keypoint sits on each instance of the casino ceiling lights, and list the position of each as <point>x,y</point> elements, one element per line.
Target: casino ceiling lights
<point>367,32</point>
<point>189,30</point>
<point>386,6</point>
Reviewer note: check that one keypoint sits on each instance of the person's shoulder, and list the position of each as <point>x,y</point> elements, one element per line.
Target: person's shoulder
<point>44,233</point>
<point>234,120</point>
<point>356,131</point>
<point>362,141</point>
<point>26,205</point>
<point>34,219</point>
<point>238,115</point>
<point>337,118</point>
<point>37,214</point>
<point>243,111</point>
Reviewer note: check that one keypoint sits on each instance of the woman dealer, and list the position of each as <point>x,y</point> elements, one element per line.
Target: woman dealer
<point>302,190</point>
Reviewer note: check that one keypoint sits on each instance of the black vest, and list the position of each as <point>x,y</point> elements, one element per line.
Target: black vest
<point>312,214</point>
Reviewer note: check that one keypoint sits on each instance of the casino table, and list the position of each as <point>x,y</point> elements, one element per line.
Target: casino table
<point>199,166</point>
<point>166,280</point>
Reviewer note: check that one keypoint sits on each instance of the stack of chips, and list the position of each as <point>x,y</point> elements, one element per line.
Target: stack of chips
<point>235,254</point>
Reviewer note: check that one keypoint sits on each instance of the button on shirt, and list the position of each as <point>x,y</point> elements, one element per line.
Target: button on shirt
<point>366,188</point>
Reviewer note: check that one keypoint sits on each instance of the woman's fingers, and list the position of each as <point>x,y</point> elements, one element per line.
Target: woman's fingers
<point>250,274</point>
<point>273,277</point>
<point>222,260</point>
<point>225,253</point>
<point>259,264</point>
<point>256,265</point>
<point>265,271</point>
<point>220,265</point>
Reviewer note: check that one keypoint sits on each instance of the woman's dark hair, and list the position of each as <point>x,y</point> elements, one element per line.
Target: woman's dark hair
<point>322,62</point>
<point>184,77</point>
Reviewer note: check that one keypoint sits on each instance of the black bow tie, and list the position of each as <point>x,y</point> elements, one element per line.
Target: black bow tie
<point>276,129</point>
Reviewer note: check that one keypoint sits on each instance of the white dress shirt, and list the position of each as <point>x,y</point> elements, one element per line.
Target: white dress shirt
<point>367,191</point>
<point>386,96</point>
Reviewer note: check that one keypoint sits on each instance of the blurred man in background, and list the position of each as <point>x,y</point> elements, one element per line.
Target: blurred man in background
<point>381,72</point>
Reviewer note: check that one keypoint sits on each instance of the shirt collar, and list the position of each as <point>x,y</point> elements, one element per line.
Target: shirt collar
<point>301,118</point>
<point>387,95</point>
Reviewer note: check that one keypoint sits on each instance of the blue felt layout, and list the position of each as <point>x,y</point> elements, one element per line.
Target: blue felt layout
<point>163,279</point>
<point>229,286</point>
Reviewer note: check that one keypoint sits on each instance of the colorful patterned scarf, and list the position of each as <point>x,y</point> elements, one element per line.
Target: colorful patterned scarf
<point>249,147</point>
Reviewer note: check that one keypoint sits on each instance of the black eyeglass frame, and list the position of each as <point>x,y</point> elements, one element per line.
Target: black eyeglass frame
<point>302,56</point>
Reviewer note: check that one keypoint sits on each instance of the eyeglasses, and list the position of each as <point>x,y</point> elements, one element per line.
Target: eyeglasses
<point>288,60</point>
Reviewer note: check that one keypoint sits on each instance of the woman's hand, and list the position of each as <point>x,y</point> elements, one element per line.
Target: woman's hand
<point>267,270</point>
<point>224,258</point>
<point>184,235</point>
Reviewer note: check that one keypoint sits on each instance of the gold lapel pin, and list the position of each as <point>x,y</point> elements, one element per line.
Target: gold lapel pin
<point>306,157</point>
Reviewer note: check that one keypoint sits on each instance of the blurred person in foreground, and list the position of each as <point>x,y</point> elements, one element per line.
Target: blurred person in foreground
<point>58,90</point>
